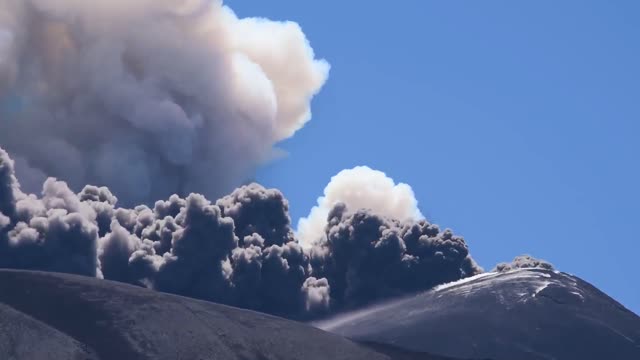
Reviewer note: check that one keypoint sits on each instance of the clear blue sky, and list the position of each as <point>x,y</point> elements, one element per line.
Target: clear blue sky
<point>517,123</point>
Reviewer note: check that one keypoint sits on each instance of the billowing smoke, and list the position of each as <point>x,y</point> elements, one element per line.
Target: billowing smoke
<point>368,238</point>
<point>148,97</point>
<point>240,250</point>
<point>56,232</point>
<point>524,262</point>
<point>367,256</point>
<point>359,188</point>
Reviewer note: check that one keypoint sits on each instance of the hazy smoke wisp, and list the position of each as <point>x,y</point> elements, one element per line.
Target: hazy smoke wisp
<point>524,262</point>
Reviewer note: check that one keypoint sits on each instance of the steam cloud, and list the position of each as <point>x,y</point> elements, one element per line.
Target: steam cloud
<point>148,97</point>
<point>359,188</point>
<point>240,250</point>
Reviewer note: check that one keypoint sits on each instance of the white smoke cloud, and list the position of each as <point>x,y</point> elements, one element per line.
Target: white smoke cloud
<point>149,97</point>
<point>359,188</point>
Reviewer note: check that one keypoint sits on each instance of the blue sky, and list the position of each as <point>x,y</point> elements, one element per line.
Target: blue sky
<point>516,123</point>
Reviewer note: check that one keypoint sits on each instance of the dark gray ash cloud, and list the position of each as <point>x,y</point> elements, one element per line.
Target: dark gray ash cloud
<point>56,232</point>
<point>367,257</point>
<point>255,209</point>
<point>240,250</point>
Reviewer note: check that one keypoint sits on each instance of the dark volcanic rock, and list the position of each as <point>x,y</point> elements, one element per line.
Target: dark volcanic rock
<point>22,337</point>
<point>524,314</point>
<point>403,354</point>
<point>66,317</point>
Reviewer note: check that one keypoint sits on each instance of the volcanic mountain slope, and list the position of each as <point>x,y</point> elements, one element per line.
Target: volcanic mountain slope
<point>22,337</point>
<point>528,314</point>
<point>68,317</point>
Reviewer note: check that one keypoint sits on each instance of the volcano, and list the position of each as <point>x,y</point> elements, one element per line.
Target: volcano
<point>50,316</point>
<point>525,314</point>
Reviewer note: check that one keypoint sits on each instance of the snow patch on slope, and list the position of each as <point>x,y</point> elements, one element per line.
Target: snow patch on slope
<point>464,281</point>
